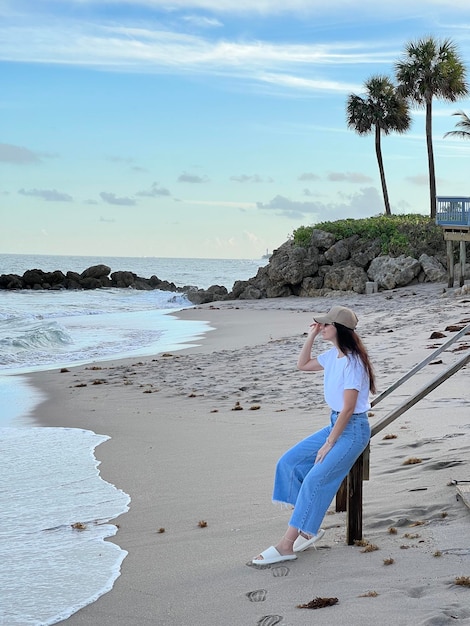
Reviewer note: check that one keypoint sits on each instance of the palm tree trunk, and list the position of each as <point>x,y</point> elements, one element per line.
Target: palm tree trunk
<point>432,173</point>
<point>378,152</point>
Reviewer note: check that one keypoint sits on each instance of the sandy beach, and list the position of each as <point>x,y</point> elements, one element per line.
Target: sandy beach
<point>195,435</point>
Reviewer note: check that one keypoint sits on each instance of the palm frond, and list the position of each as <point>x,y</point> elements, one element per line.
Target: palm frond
<point>463,124</point>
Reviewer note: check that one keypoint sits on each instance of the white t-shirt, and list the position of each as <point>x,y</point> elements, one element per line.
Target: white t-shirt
<point>347,372</point>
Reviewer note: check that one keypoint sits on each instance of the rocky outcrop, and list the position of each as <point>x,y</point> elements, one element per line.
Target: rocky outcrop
<point>94,277</point>
<point>321,267</point>
<point>202,296</point>
<point>327,265</point>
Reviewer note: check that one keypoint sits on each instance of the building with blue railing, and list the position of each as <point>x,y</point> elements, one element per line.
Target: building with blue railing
<point>453,211</point>
<point>453,214</point>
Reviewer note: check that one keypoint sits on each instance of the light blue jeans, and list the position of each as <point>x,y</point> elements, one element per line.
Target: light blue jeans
<point>311,487</point>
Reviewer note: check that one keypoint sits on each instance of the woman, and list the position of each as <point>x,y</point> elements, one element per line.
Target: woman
<point>309,474</point>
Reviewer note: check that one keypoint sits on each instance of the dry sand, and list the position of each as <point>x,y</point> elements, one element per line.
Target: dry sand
<point>195,435</point>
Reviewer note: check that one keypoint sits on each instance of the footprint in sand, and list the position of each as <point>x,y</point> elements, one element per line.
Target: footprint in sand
<point>282,570</point>
<point>269,620</point>
<point>259,595</point>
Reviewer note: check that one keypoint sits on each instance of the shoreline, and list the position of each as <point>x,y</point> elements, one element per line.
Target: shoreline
<point>185,454</point>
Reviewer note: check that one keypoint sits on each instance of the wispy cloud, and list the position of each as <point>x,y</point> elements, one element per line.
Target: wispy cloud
<point>289,208</point>
<point>202,21</point>
<point>128,48</point>
<point>111,198</point>
<point>252,238</point>
<point>17,154</point>
<point>364,203</point>
<point>154,192</point>
<point>300,82</point>
<point>308,176</point>
<point>49,195</point>
<point>192,178</point>
<point>254,178</point>
<point>350,177</point>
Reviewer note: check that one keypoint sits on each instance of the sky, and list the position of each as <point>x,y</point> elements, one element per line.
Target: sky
<point>207,128</point>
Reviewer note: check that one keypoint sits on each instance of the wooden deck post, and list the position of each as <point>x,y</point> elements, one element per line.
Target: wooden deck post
<point>342,497</point>
<point>450,263</point>
<point>460,234</point>
<point>462,264</point>
<point>354,529</point>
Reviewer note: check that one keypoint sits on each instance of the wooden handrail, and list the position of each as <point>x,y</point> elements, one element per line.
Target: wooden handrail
<point>353,483</point>
<point>419,395</point>
<point>419,366</point>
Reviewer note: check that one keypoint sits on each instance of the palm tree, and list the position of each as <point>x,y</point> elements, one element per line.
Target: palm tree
<point>382,110</point>
<point>431,68</point>
<point>464,125</point>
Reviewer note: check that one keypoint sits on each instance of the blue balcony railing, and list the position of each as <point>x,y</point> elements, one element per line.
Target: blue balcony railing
<point>453,211</point>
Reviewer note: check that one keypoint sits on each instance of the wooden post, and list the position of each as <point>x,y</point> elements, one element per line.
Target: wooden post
<point>342,497</point>
<point>342,493</point>
<point>450,263</point>
<point>354,530</point>
<point>462,264</point>
<point>366,462</point>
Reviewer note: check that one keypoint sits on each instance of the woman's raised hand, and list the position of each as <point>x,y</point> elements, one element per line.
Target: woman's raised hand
<point>314,329</point>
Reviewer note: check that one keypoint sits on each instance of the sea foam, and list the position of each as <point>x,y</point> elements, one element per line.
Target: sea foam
<point>56,511</point>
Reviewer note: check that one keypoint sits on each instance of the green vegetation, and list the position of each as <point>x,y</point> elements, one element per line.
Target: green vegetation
<point>463,125</point>
<point>398,234</point>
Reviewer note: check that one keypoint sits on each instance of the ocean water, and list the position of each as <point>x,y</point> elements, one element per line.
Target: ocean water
<point>49,567</point>
<point>55,514</point>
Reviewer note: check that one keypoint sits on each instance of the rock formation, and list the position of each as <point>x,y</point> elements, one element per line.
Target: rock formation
<point>323,266</point>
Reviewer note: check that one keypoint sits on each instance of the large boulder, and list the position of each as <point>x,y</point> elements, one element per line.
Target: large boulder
<point>290,264</point>
<point>433,269</point>
<point>363,251</point>
<point>56,278</point>
<point>211,294</point>
<point>123,279</point>
<point>345,276</point>
<point>72,280</point>
<point>96,271</point>
<point>11,281</point>
<point>33,279</point>
<point>279,291</point>
<point>250,292</point>
<point>391,272</point>
<point>321,239</point>
<point>199,296</point>
<point>95,283</point>
<point>339,251</point>
<point>310,287</point>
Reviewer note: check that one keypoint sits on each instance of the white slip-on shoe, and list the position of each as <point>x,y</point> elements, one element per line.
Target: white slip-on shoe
<point>271,555</point>
<point>303,543</point>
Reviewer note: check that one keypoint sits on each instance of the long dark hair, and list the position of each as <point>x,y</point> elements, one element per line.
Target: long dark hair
<point>349,342</point>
